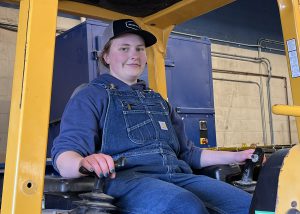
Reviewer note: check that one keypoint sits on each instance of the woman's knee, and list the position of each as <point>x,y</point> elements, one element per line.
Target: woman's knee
<point>185,202</point>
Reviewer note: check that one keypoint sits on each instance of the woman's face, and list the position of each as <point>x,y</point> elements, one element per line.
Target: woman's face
<point>126,57</point>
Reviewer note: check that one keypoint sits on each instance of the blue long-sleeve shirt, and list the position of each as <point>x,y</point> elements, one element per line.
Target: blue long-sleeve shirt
<point>83,120</point>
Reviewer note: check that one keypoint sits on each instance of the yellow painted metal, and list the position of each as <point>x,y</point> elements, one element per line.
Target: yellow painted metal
<point>290,22</point>
<point>182,11</point>
<point>26,150</point>
<point>160,23</point>
<point>288,183</point>
<point>286,110</point>
<point>177,13</point>
<point>277,147</point>
<point>156,63</point>
<point>29,114</point>
<point>89,11</point>
<point>288,187</point>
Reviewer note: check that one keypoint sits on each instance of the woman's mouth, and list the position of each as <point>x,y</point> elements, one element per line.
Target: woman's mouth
<point>133,65</point>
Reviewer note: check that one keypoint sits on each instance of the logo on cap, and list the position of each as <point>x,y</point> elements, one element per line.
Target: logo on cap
<point>132,25</point>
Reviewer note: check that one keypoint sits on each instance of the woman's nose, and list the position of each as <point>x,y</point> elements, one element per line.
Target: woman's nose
<point>134,55</point>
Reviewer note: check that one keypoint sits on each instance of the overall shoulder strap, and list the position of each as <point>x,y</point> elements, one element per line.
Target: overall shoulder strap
<point>78,88</point>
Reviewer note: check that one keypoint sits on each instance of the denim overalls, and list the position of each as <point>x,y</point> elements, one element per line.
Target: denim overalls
<point>154,180</point>
<point>148,140</point>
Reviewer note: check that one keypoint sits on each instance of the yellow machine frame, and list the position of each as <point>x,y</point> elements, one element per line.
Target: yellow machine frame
<point>30,104</point>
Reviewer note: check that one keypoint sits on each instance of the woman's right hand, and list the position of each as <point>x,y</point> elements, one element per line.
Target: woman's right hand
<point>101,164</point>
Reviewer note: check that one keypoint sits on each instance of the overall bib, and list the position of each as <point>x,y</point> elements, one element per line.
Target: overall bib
<point>138,127</point>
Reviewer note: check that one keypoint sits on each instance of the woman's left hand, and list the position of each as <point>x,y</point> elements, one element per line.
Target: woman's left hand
<point>242,156</point>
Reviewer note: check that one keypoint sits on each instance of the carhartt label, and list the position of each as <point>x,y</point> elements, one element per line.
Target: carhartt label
<point>163,125</point>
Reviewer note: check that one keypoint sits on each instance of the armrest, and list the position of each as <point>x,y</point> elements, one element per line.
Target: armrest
<point>62,185</point>
<point>226,173</point>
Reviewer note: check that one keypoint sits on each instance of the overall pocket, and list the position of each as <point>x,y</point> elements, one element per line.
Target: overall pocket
<point>145,121</point>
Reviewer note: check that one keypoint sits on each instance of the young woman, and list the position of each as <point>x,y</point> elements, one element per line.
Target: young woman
<point>116,115</point>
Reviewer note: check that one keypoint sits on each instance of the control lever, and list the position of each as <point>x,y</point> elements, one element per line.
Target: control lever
<point>118,164</point>
<point>256,159</point>
<point>97,186</point>
<point>96,201</point>
<point>247,182</point>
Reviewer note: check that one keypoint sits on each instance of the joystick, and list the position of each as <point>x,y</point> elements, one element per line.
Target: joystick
<point>247,183</point>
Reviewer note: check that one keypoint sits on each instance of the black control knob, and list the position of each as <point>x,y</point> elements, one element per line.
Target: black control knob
<point>247,183</point>
<point>256,160</point>
<point>96,201</point>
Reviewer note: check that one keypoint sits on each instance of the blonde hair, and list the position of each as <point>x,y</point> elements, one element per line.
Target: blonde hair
<point>104,51</point>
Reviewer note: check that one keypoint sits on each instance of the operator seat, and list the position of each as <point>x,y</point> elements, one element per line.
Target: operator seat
<point>61,192</point>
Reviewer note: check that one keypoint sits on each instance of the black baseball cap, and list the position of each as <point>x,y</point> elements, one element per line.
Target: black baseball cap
<point>119,27</point>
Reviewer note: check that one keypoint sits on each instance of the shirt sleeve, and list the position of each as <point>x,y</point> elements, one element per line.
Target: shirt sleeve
<point>80,129</point>
<point>188,151</point>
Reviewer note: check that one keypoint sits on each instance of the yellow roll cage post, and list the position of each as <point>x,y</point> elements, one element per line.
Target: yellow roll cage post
<point>30,104</point>
<point>288,193</point>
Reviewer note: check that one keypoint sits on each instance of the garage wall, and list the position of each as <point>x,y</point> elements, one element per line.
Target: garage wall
<point>239,105</point>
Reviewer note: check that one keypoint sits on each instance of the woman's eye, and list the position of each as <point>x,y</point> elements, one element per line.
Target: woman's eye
<point>124,49</point>
<point>140,49</point>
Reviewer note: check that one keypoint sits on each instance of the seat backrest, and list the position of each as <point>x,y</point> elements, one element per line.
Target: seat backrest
<point>54,126</point>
